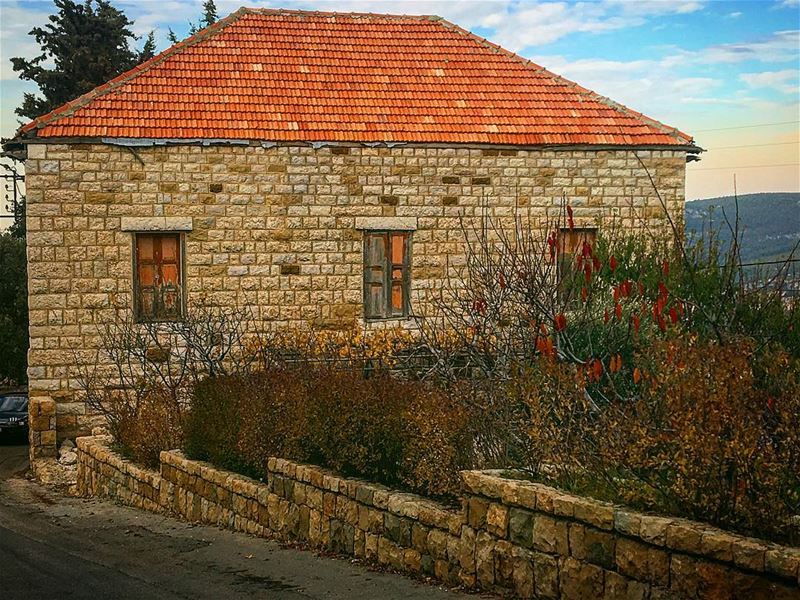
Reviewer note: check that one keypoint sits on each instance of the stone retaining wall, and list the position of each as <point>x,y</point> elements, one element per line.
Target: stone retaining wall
<point>509,535</point>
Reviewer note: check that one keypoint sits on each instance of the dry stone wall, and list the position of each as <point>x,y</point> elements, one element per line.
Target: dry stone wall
<point>510,536</point>
<point>279,229</point>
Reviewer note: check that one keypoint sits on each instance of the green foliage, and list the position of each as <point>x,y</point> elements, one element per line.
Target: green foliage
<point>209,17</point>
<point>149,48</point>
<point>88,43</point>
<point>13,310</point>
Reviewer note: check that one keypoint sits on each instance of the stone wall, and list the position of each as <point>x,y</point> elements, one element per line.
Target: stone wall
<point>509,535</point>
<point>279,229</point>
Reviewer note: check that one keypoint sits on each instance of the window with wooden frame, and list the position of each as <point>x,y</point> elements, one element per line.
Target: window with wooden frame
<point>570,245</point>
<point>387,274</point>
<point>158,276</point>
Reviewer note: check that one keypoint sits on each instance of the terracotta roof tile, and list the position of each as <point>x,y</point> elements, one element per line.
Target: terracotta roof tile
<point>294,75</point>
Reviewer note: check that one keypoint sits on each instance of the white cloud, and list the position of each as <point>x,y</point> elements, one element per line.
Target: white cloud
<point>16,22</point>
<point>784,81</point>
<point>733,15</point>
<point>655,7</point>
<point>522,25</point>
<point>644,85</point>
<point>780,46</point>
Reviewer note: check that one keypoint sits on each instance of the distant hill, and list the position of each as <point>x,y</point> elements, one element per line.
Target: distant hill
<point>769,222</point>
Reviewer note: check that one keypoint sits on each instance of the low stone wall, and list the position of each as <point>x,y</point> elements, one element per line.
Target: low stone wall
<point>509,535</point>
<point>104,473</point>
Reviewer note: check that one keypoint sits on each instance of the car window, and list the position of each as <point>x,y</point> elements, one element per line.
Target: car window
<point>13,403</point>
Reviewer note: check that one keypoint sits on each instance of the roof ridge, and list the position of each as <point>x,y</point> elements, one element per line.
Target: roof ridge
<point>71,106</point>
<point>333,13</point>
<point>674,131</point>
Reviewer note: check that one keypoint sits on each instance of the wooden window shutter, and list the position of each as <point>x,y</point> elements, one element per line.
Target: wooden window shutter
<point>570,245</point>
<point>375,276</point>
<point>158,285</point>
<point>386,274</point>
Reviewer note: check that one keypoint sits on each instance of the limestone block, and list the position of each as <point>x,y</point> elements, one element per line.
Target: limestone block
<point>580,580</point>
<point>550,535</point>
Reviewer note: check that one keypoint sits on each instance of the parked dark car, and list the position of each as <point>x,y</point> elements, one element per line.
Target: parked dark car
<point>13,414</point>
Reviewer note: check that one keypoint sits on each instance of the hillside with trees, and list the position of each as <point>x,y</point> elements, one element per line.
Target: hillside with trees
<point>769,223</point>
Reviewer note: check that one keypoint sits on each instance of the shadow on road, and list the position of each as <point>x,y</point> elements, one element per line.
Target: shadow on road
<point>13,454</point>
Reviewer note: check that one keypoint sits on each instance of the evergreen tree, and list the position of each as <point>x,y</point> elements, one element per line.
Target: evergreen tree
<point>88,43</point>
<point>149,48</point>
<point>173,39</point>
<point>209,17</point>
<point>13,310</point>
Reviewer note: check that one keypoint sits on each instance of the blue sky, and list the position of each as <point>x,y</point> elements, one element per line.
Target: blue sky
<point>711,68</point>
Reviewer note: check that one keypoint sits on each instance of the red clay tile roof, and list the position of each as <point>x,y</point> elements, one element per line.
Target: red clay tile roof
<point>308,76</point>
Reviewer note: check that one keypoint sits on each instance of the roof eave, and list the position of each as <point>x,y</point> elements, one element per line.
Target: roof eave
<point>689,148</point>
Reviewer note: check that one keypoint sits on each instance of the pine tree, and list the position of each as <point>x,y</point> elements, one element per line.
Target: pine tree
<point>149,48</point>
<point>173,39</point>
<point>88,43</point>
<point>210,15</point>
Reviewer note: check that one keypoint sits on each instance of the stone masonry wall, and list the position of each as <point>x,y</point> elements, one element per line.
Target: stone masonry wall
<point>277,228</point>
<point>509,536</point>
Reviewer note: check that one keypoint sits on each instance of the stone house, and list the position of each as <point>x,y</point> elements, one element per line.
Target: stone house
<point>313,166</point>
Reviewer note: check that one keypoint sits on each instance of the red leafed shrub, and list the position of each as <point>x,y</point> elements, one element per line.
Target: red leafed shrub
<point>715,439</point>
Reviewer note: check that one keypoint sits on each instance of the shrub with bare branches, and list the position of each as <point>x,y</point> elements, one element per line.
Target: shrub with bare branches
<point>142,373</point>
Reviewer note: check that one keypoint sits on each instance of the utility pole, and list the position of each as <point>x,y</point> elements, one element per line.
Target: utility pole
<point>12,193</point>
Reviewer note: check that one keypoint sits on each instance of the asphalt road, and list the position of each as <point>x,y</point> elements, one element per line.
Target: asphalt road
<point>52,546</point>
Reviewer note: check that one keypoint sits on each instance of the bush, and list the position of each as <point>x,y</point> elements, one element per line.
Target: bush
<point>715,439</point>
<point>401,433</point>
<point>143,427</point>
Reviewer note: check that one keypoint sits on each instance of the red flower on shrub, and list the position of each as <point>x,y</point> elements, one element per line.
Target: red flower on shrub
<point>673,314</point>
<point>544,345</point>
<point>552,243</point>
<point>597,369</point>
<point>612,263</point>
<point>560,323</point>
<point>570,220</point>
